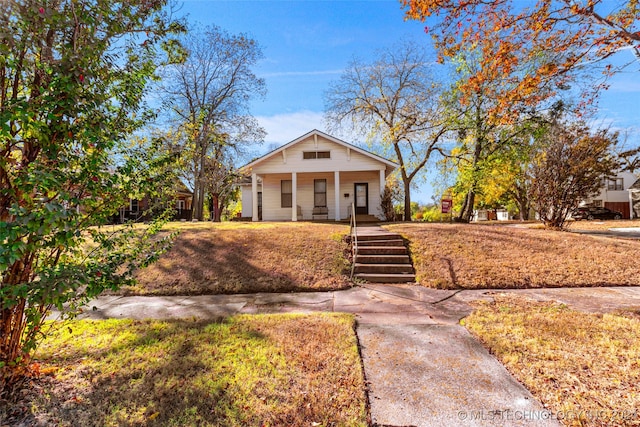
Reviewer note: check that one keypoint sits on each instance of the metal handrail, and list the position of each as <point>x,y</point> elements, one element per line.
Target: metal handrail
<point>353,231</point>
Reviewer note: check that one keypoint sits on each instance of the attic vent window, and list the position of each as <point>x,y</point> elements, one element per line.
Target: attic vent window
<point>316,155</point>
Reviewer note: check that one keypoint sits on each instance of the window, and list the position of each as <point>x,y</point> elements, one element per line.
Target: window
<point>180,205</point>
<point>320,193</point>
<point>285,193</point>
<point>615,184</point>
<point>134,205</point>
<point>316,155</point>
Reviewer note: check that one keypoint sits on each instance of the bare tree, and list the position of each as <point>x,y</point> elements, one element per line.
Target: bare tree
<point>568,167</point>
<point>209,96</point>
<point>393,100</point>
<point>628,156</point>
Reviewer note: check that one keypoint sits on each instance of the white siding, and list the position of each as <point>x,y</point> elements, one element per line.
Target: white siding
<point>342,159</point>
<point>352,166</point>
<point>271,210</point>
<point>617,195</point>
<point>347,181</point>
<point>247,205</point>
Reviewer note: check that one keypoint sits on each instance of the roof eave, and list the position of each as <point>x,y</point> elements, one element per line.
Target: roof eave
<point>387,162</point>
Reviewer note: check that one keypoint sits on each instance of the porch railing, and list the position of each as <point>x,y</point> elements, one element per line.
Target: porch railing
<point>353,231</point>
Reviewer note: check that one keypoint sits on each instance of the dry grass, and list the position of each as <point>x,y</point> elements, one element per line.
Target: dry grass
<point>267,370</point>
<point>209,258</point>
<point>470,256</point>
<point>585,368</point>
<point>603,225</point>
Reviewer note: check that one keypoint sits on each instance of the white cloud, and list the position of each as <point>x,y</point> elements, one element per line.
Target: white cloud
<point>283,128</point>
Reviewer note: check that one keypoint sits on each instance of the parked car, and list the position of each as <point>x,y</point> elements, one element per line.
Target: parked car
<point>590,213</point>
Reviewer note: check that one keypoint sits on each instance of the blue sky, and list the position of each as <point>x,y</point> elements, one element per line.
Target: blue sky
<point>307,44</point>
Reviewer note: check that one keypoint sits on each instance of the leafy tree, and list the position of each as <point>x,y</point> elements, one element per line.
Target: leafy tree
<point>208,96</point>
<point>73,77</point>
<point>395,101</point>
<point>506,174</point>
<point>568,167</point>
<point>488,136</point>
<point>562,36</point>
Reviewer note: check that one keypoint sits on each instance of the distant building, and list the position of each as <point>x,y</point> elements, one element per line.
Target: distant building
<point>615,194</point>
<point>634,198</point>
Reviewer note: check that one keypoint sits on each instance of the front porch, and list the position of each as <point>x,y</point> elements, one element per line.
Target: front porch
<point>315,195</point>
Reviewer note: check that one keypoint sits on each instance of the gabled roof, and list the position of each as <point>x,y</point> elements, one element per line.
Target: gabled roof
<point>389,163</point>
<point>635,185</point>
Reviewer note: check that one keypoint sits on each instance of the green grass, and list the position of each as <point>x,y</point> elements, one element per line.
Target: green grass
<point>265,370</point>
<point>584,367</point>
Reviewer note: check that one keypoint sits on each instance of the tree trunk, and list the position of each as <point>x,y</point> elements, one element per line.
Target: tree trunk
<point>199,185</point>
<point>521,197</point>
<point>199,209</point>
<point>216,208</point>
<point>12,319</point>
<point>467,209</point>
<point>523,206</point>
<point>407,199</point>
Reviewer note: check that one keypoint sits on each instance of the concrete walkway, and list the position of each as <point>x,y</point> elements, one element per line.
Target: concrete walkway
<point>422,368</point>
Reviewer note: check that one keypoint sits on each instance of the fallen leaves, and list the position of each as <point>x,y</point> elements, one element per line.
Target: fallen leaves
<point>473,256</point>
<point>581,366</point>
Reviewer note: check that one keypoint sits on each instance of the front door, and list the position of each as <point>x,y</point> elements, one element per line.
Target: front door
<point>362,198</point>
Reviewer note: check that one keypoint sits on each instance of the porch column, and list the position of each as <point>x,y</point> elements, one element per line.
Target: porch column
<point>336,183</point>
<point>294,196</point>
<point>382,181</point>
<point>254,197</point>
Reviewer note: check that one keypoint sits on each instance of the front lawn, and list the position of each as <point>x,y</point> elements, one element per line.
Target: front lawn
<point>472,256</point>
<point>585,368</point>
<point>266,370</point>
<point>223,258</point>
<point>599,225</point>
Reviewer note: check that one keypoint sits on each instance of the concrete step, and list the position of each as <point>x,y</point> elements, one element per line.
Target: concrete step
<point>363,236</point>
<point>382,250</point>
<point>362,219</point>
<point>394,242</point>
<point>383,268</point>
<point>386,278</point>
<point>382,259</point>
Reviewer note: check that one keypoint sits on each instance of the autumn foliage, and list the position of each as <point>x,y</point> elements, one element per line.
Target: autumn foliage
<point>540,47</point>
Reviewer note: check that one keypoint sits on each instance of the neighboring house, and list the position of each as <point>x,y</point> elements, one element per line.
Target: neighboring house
<point>315,176</point>
<point>490,215</point>
<point>143,209</point>
<point>615,194</point>
<point>183,198</point>
<point>634,197</point>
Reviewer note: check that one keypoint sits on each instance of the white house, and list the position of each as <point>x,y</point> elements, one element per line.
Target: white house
<point>315,176</point>
<point>634,196</point>
<point>615,194</point>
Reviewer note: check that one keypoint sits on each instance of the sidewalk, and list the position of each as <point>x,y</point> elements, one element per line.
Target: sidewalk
<point>422,368</point>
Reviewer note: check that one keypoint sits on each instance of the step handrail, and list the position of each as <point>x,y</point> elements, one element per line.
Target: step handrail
<point>353,231</point>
